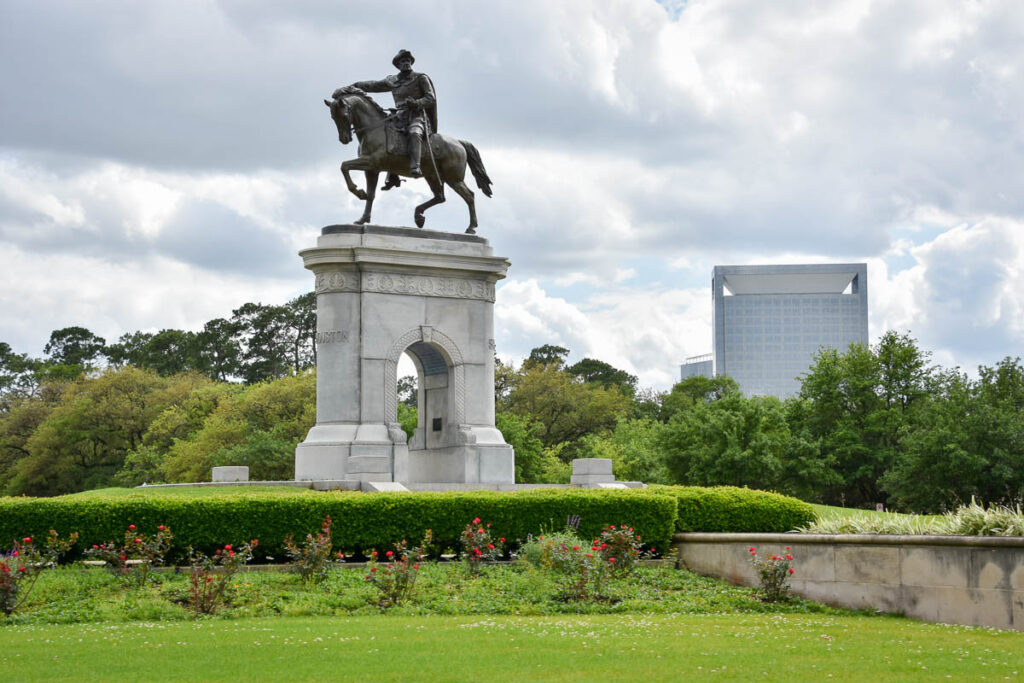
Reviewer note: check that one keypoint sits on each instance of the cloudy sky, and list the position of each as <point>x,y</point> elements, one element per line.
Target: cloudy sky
<point>162,162</point>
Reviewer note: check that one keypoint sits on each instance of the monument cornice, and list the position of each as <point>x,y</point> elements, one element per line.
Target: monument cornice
<point>369,257</point>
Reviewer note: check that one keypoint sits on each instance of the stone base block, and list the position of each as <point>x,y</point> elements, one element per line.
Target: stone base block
<point>384,487</point>
<point>231,473</point>
<point>472,463</point>
<point>593,466</point>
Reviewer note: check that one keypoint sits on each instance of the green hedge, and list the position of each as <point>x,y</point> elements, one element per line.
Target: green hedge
<point>361,521</point>
<point>731,509</point>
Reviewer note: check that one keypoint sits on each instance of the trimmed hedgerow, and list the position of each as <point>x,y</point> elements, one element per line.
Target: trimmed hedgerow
<point>361,521</point>
<point>729,509</point>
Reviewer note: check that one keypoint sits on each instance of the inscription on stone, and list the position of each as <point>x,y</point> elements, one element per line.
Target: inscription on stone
<point>425,285</point>
<point>331,336</point>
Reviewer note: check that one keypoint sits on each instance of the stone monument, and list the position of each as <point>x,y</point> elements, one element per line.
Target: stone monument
<point>382,292</point>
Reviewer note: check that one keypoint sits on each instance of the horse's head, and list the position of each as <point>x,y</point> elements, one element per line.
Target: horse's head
<point>340,113</point>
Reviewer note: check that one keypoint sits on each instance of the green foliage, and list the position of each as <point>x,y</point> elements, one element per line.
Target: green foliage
<point>312,560</point>
<point>773,572</point>
<point>360,521</point>
<point>135,555</point>
<point>633,448</point>
<point>522,434</point>
<point>20,569</point>
<point>210,578</point>
<point>736,510</point>
<point>598,372</point>
<point>967,520</point>
<point>734,440</point>
<point>693,390</point>
<point>394,575</point>
<point>408,418</point>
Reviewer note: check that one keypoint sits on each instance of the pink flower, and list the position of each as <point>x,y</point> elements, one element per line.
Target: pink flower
<point>132,527</point>
<point>476,520</point>
<point>481,531</point>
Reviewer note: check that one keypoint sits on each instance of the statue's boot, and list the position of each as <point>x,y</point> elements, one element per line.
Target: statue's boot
<point>415,152</point>
<point>393,180</point>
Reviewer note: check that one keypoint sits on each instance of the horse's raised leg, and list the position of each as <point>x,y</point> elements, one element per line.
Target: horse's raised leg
<point>371,192</point>
<point>467,194</point>
<point>438,198</point>
<point>357,164</point>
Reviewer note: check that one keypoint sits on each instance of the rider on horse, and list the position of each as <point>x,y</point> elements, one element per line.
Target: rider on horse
<point>414,97</point>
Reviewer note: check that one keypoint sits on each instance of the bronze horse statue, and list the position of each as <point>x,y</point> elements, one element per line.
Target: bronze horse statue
<point>444,162</point>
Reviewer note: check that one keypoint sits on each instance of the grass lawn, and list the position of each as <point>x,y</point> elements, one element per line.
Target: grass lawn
<point>561,648</point>
<point>507,623</point>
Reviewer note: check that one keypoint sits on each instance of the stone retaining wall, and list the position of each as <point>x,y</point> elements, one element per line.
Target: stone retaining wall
<point>950,579</point>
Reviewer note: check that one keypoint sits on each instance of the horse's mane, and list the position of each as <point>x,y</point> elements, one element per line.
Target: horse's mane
<point>352,90</point>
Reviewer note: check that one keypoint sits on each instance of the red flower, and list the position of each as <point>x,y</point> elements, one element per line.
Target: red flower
<point>367,577</point>
<point>502,539</point>
<point>124,558</point>
<point>415,566</point>
<point>209,579</point>
<point>95,546</point>
<point>138,540</point>
<point>488,525</point>
<point>752,550</point>
<point>476,520</point>
<point>612,560</point>
<point>27,539</point>
<point>789,557</point>
<point>787,547</point>
<point>791,570</point>
<point>541,537</point>
<point>132,527</point>
<point>490,546</point>
<point>227,547</point>
<point>374,553</point>
<point>575,547</point>
<point>373,569</point>
<point>481,531</point>
<point>389,553</point>
<point>590,554</point>
<point>21,569</point>
<point>161,527</point>
<point>341,555</point>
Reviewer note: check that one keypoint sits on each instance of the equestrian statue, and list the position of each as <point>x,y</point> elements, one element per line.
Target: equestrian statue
<point>393,141</point>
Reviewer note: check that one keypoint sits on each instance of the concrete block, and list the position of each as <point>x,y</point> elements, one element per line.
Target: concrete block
<point>994,568</point>
<point>610,485</point>
<point>384,487</point>
<point>592,466</point>
<point>589,479</point>
<point>867,564</point>
<point>231,473</point>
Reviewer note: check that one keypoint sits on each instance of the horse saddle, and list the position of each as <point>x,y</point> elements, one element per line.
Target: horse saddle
<point>398,143</point>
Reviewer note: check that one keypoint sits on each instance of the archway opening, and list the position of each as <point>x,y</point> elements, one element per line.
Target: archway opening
<point>432,399</point>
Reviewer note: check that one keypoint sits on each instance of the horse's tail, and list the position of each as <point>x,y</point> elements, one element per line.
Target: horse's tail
<point>476,166</point>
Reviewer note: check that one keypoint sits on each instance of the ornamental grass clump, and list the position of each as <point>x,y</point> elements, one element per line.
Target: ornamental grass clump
<point>312,560</point>
<point>394,575</point>
<point>479,547</point>
<point>21,567</point>
<point>774,572</point>
<point>210,580</point>
<point>136,555</point>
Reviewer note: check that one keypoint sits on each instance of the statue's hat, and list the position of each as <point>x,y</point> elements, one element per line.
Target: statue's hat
<point>400,55</point>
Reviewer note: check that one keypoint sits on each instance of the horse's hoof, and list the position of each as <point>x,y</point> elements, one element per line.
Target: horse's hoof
<point>361,195</point>
<point>471,230</point>
<point>362,221</point>
<point>420,220</point>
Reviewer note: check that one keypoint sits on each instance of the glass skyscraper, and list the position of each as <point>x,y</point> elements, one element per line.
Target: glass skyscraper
<point>770,321</point>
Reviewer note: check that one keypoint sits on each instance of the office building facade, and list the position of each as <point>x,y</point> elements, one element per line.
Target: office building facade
<point>770,321</point>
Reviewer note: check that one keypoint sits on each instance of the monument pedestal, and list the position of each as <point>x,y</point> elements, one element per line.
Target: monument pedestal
<point>382,292</point>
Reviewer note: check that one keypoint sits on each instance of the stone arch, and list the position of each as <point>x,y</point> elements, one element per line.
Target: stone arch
<point>447,348</point>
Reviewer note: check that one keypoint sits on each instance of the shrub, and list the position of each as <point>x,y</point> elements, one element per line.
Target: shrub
<point>20,568</point>
<point>735,510</point>
<point>396,578</point>
<point>361,521</point>
<point>479,547</point>
<point>773,571</point>
<point>136,555</point>
<point>312,560</point>
<point>211,576</point>
<point>620,546</point>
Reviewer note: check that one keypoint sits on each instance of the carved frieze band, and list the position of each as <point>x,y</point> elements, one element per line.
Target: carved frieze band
<point>397,283</point>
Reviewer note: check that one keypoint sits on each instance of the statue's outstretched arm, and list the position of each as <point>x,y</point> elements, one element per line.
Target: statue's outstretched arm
<point>375,86</point>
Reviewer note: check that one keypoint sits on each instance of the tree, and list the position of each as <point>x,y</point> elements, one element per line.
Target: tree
<point>566,408</point>
<point>18,376</point>
<point>633,449</point>
<point>698,389</point>
<point>735,440</point>
<point>601,373</point>
<point>83,440</point>
<point>74,346</point>
<point>547,355</point>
